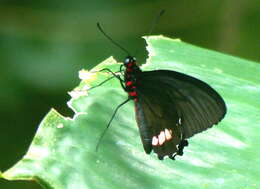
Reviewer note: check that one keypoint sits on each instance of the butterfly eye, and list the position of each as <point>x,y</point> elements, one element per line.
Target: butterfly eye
<point>127,60</point>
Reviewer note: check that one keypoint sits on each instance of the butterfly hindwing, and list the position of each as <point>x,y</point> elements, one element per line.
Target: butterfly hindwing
<point>158,123</point>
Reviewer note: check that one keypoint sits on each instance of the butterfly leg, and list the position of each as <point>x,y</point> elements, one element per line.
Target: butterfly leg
<point>101,83</point>
<point>114,76</point>
<point>110,71</point>
<point>109,123</point>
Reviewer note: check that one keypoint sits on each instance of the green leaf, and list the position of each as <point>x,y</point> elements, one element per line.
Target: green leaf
<point>62,153</point>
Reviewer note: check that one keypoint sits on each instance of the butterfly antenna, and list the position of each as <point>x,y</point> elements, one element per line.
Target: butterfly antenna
<point>108,37</point>
<point>154,23</point>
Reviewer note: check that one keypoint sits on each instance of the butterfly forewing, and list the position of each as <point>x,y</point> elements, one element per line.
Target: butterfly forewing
<point>198,105</point>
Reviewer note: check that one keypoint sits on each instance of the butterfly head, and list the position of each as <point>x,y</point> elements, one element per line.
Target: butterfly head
<point>129,61</point>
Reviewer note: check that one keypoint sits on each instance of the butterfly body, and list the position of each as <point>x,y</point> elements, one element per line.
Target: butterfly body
<point>130,74</point>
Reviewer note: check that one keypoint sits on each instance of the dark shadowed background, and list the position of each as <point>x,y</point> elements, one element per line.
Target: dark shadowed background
<point>43,45</point>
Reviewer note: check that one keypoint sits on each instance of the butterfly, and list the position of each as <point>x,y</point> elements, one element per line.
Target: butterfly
<point>170,107</point>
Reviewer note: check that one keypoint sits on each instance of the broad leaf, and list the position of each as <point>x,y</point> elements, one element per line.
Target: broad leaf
<point>62,154</point>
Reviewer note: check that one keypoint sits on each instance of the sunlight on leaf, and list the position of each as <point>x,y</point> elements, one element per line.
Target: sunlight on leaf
<point>62,153</point>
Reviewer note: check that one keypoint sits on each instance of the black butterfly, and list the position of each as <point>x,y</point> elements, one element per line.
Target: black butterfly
<point>170,107</point>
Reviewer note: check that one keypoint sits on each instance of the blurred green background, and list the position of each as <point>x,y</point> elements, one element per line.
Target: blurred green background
<point>43,45</point>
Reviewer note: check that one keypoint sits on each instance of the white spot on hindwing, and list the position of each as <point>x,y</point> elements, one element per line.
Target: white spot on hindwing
<point>162,137</point>
<point>155,141</point>
<point>167,134</point>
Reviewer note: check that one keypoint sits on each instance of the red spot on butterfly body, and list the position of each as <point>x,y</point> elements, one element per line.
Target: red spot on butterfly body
<point>129,83</point>
<point>133,93</point>
<point>130,65</point>
<point>129,69</point>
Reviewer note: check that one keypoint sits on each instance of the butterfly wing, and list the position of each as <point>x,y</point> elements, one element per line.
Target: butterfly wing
<point>177,102</point>
<point>159,129</point>
<point>199,106</point>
